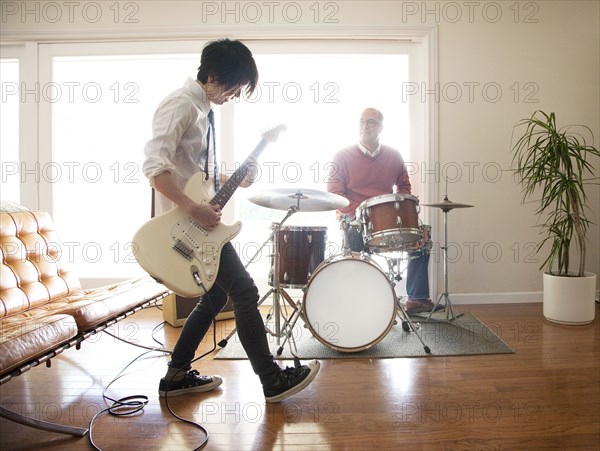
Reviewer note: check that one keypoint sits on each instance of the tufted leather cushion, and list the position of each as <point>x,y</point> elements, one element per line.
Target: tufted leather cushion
<point>31,279</point>
<point>31,274</point>
<point>30,335</point>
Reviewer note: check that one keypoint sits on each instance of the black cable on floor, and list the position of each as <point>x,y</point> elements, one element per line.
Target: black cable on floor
<point>131,405</point>
<point>185,420</point>
<point>126,406</point>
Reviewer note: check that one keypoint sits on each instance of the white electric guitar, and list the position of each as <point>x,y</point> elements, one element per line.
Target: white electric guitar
<point>180,254</point>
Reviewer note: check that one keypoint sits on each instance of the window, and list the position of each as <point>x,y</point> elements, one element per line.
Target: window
<point>102,109</point>
<point>96,108</point>
<point>9,130</point>
<point>320,98</point>
<point>319,90</point>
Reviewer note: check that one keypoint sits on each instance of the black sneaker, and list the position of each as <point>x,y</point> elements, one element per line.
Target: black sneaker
<point>192,382</point>
<point>290,381</point>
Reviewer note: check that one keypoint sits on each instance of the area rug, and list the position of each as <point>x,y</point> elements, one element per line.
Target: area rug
<point>463,335</point>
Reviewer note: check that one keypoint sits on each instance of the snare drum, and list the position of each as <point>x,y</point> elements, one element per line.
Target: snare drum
<point>349,303</point>
<point>301,250</point>
<point>423,244</point>
<point>389,221</point>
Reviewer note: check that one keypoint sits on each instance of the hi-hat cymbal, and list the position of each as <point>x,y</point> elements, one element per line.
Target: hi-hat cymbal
<point>301,198</point>
<point>447,205</point>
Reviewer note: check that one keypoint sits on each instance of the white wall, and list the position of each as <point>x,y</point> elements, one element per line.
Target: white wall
<point>559,56</point>
<point>497,63</point>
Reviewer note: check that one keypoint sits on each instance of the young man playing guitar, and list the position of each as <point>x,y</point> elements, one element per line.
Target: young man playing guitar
<point>181,147</point>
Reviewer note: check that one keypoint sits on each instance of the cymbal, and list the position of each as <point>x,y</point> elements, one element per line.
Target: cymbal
<point>301,198</point>
<point>447,205</point>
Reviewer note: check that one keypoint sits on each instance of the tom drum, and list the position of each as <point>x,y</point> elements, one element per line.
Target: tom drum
<point>389,221</point>
<point>301,250</point>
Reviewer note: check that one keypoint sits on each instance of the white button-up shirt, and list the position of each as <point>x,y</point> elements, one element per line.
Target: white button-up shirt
<point>367,151</point>
<point>178,143</point>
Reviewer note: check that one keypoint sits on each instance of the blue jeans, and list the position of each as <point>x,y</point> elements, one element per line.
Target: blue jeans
<point>417,276</point>
<point>234,281</point>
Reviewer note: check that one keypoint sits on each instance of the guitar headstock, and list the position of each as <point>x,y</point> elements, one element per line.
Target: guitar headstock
<point>272,134</point>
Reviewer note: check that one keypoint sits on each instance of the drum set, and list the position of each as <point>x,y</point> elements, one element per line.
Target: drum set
<point>349,303</point>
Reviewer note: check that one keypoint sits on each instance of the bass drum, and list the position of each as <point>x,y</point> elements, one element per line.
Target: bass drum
<point>349,304</point>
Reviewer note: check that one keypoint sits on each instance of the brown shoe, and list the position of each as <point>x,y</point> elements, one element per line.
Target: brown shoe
<point>421,306</point>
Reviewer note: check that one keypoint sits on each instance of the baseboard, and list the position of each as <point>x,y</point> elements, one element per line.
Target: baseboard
<point>496,298</point>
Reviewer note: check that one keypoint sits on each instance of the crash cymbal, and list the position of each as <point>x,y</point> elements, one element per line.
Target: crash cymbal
<point>301,198</point>
<point>447,205</point>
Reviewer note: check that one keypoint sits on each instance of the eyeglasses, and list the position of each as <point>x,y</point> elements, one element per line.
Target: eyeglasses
<point>369,123</point>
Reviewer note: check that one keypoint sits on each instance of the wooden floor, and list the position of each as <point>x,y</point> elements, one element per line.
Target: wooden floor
<point>544,396</point>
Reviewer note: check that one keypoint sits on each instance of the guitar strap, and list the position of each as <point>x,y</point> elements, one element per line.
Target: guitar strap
<point>211,134</point>
<point>152,204</point>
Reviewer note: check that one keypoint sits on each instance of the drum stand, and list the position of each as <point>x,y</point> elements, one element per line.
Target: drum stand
<point>285,328</point>
<point>445,295</point>
<point>395,275</point>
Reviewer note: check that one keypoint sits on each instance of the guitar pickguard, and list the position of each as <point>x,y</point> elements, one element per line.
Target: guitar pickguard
<point>190,241</point>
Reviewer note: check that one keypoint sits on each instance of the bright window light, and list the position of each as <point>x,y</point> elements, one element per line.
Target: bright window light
<point>9,130</point>
<point>320,99</point>
<point>102,109</point>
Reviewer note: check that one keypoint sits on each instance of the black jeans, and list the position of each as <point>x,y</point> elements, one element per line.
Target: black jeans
<point>234,281</point>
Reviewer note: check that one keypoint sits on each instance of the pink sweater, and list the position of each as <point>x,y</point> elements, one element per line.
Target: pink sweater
<point>358,177</point>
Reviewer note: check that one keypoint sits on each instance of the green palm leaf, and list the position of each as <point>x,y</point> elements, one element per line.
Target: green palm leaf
<point>554,164</point>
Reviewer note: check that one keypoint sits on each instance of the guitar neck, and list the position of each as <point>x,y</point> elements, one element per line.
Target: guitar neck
<point>227,190</point>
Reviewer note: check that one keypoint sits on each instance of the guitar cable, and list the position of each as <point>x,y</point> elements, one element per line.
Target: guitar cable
<point>134,404</point>
<point>128,405</point>
<point>185,420</point>
<point>214,347</point>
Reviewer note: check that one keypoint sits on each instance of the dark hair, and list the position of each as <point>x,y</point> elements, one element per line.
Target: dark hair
<point>230,63</point>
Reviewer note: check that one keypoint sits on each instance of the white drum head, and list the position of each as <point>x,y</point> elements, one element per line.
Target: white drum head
<point>349,304</point>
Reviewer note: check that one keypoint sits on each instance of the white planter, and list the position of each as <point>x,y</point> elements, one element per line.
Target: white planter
<point>569,300</point>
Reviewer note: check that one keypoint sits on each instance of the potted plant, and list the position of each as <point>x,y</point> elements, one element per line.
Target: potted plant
<point>554,164</point>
